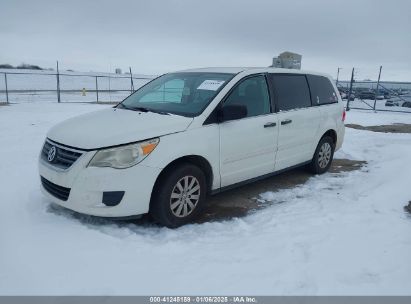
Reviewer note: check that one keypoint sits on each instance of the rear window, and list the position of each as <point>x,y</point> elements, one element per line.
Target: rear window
<point>291,91</point>
<point>322,91</point>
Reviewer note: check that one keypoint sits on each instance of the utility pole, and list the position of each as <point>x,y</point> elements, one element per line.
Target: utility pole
<point>350,91</point>
<point>131,80</point>
<point>58,82</point>
<point>377,90</point>
<point>338,74</point>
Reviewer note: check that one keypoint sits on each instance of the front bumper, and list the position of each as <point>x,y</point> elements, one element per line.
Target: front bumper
<point>87,185</point>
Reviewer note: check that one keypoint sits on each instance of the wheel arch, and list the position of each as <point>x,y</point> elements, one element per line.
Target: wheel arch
<point>196,160</point>
<point>313,165</point>
<point>331,133</point>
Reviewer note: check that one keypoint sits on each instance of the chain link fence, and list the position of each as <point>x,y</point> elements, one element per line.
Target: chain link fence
<point>392,96</point>
<point>45,86</point>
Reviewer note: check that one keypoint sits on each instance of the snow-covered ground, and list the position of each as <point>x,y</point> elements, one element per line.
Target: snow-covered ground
<point>337,234</point>
<point>370,118</point>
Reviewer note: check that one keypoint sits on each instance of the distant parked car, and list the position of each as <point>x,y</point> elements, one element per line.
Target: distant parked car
<point>403,101</point>
<point>392,103</point>
<point>344,96</point>
<point>387,95</point>
<point>367,95</point>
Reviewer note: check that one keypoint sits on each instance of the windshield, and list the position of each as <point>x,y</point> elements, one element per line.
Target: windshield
<point>186,94</point>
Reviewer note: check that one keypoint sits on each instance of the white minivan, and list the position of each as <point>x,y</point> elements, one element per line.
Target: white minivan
<point>189,134</point>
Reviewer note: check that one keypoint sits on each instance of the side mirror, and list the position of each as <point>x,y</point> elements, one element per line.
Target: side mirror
<point>232,112</point>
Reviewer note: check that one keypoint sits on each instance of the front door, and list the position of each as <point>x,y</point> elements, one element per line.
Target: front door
<point>248,145</point>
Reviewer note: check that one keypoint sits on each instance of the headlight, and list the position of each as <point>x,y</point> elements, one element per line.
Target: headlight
<point>124,156</point>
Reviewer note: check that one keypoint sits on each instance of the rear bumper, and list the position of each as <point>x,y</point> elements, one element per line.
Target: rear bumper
<point>340,136</point>
<point>87,184</point>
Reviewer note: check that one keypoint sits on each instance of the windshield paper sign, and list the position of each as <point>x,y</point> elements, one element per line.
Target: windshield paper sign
<point>210,85</point>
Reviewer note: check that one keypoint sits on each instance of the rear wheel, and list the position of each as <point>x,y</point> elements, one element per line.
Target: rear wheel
<point>179,196</point>
<point>323,155</point>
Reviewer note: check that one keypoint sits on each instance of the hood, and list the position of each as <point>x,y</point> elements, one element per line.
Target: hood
<point>111,127</point>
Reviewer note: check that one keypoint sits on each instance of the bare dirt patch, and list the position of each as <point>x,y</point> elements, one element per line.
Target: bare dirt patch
<point>239,201</point>
<point>394,128</point>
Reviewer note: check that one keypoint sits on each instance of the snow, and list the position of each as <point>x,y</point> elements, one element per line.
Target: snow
<point>370,118</point>
<point>337,234</point>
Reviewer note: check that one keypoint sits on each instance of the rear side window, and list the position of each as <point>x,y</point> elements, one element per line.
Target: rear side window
<point>322,91</point>
<point>291,91</point>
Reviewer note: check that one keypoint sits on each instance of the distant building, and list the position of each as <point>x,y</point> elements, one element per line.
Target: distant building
<point>287,60</point>
<point>118,71</point>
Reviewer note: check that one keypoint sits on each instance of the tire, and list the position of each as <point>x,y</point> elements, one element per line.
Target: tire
<point>323,156</point>
<point>178,196</point>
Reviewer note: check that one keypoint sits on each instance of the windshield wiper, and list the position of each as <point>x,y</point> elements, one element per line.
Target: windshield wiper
<point>140,109</point>
<point>159,112</point>
<point>123,106</point>
<point>143,109</point>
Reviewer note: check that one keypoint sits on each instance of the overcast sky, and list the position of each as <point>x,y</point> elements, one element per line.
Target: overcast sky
<point>154,36</point>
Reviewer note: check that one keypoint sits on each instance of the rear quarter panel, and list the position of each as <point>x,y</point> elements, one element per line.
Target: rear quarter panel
<point>331,117</point>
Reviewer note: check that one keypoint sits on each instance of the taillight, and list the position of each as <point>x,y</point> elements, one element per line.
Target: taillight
<point>343,115</point>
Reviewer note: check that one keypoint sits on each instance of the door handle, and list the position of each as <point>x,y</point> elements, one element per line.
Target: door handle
<point>270,124</point>
<point>286,122</point>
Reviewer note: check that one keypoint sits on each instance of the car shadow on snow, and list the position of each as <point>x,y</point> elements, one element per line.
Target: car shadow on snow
<point>224,206</point>
<point>240,201</point>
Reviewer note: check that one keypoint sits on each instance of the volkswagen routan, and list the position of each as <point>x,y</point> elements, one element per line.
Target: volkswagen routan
<point>187,135</point>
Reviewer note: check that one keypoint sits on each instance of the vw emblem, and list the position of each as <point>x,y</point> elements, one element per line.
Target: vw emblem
<point>52,154</point>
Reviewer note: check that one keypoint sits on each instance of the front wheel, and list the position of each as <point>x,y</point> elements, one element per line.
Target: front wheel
<point>179,196</point>
<point>323,155</point>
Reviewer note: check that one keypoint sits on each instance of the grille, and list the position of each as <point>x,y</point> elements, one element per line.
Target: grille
<point>57,191</point>
<point>64,157</point>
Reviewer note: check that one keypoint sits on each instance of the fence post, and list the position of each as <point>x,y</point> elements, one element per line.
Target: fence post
<point>109,87</point>
<point>7,90</point>
<point>97,88</point>
<point>378,84</point>
<point>350,91</point>
<point>131,80</point>
<point>58,82</point>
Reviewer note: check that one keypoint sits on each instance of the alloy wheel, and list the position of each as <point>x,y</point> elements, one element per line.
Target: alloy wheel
<point>324,155</point>
<point>185,196</point>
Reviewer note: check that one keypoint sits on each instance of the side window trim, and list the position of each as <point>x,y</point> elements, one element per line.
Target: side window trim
<point>270,95</point>
<point>273,96</point>
<point>309,90</point>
